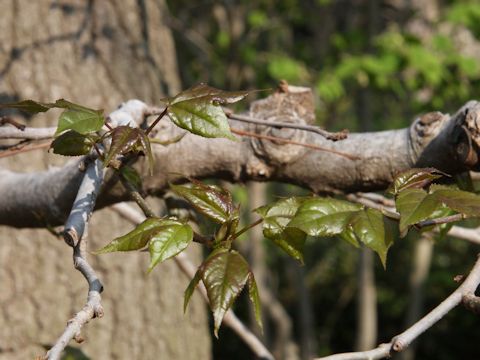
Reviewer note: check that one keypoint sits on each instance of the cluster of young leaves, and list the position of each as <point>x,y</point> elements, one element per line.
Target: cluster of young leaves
<point>225,272</point>
<point>418,199</point>
<point>289,221</point>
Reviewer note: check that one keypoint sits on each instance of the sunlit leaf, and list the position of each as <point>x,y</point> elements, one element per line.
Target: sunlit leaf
<point>276,218</point>
<point>255,299</point>
<point>203,91</point>
<point>124,138</point>
<point>461,201</point>
<point>224,275</point>
<point>212,201</point>
<point>371,228</point>
<point>324,216</point>
<point>138,237</point>
<point>168,241</point>
<point>71,143</point>
<point>415,205</point>
<point>414,178</point>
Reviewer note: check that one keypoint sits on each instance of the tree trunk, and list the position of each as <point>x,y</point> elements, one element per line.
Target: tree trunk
<point>98,54</point>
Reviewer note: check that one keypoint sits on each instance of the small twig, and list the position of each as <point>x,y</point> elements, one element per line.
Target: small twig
<point>286,141</point>
<point>186,266</point>
<point>137,197</point>
<point>403,340</point>
<point>75,229</point>
<point>8,120</point>
<point>162,114</point>
<point>387,211</point>
<point>25,148</point>
<point>248,227</point>
<point>442,220</point>
<point>334,136</point>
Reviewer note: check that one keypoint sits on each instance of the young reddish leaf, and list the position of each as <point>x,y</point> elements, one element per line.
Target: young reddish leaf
<point>212,201</point>
<point>168,241</point>
<point>27,106</point>
<point>414,178</point>
<point>276,218</point>
<point>324,216</point>
<point>224,275</point>
<point>138,237</point>
<point>255,299</point>
<point>124,138</point>
<point>203,91</point>
<point>415,205</point>
<point>371,228</point>
<point>191,288</point>
<point>144,142</point>
<point>71,143</point>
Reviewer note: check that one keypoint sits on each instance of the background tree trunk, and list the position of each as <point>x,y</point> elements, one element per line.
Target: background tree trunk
<point>97,54</point>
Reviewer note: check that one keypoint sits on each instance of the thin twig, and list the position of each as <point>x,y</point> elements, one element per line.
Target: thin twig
<point>248,227</point>
<point>334,136</point>
<point>403,340</point>
<point>8,120</point>
<point>75,229</point>
<point>439,221</point>
<point>25,148</point>
<point>186,266</point>
<point>286,141</point>
<point>162,114</point>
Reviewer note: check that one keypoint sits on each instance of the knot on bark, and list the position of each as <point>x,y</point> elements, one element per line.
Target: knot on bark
<point>423,130</point>
<point>293,106</point>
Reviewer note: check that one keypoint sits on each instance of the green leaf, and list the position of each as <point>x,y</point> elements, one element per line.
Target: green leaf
<point>71,143</point>
<point>168,241</point>
<point>415,205</point>
<point>371,228</point>
<point>200,117</point>
<point>255,299</point>
<point>349,236</point>
<point>124,138</point>
<point>414,178</point>
<point>191,288</point>
<point>138,237</point>
<point>80,120</point>
<point>461,201</point>
<point>212,201</point>
<point>276,218</point>
<point>324,216</point>
<point>132,176</point>
<point>27,106</point>
<point>224,275</point>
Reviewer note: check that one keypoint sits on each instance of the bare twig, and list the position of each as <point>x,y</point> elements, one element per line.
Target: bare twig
<point>442,220</point>
<point>75,228</point>
<point>8,120</point>
<point>286,141</point>
<point>400,342</point>
<point>24,148</point>
<point>183,262</point>
<point>334,136</point>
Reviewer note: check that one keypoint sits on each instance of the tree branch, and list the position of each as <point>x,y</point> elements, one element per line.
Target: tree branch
<point>403,340</point>
<point>75,228</point>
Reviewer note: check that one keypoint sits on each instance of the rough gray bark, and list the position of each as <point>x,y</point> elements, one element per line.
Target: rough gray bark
<point>99,54</point>
<point>448,143</point>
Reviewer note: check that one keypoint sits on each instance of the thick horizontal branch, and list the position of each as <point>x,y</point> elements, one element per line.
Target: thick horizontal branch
<point>447,143</point>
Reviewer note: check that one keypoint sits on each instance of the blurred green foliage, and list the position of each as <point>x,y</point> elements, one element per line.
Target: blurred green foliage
<point>373,65</point>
